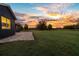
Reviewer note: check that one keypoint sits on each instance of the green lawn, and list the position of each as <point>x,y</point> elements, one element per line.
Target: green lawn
<point>55,42</point>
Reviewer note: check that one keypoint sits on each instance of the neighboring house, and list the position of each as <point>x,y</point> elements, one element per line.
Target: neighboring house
<point>7,21</point>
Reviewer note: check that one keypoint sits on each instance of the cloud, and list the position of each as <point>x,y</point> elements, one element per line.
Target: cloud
<point>55,8</point>
<point>42,9</point>
<point>24,18</point>
<point>19,14</point>
<point>50,8</point>
<point>21,18</point>
<point>59,8</point>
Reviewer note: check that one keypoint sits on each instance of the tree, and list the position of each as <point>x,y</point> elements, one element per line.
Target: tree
<point>25,27</point>
<point>19,27</point>
<point>49,27</point>
<point>71,27</point>
<point>42,25</point>
<point>76,26</point>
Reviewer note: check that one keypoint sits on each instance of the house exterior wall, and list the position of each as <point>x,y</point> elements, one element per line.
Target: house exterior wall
<point>6,17</point>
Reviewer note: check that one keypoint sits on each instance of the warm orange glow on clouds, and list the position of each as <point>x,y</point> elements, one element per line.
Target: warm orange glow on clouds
<point>58,20</point>
<point>54,15</point>
<point>61,14</point>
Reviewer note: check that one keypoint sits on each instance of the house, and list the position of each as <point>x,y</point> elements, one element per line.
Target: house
<point>7,21</point>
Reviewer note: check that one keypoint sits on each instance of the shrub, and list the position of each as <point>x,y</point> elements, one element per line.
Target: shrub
<point>19,27</point>
<point>25,27</point>
<point>49,27</point>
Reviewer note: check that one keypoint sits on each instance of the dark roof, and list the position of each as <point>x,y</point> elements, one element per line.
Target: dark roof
<point>6,5</point>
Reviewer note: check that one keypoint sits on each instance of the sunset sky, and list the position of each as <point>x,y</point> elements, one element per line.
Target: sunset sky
<point>50,10</point>
<point>42,8</point>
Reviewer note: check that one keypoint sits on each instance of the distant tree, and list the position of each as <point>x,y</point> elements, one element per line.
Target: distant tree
<point>77,26</point>
<point>70,27</point>
<point>19,27</point>
<point>49,27</point>
<point>25,27</point>
<point>67,27</point>
<point>42,25</point>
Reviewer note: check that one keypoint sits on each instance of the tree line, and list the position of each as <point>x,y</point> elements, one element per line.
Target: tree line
<point>42,26</point>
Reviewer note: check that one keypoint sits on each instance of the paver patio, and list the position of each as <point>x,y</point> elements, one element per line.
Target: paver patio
<point>18,37</point>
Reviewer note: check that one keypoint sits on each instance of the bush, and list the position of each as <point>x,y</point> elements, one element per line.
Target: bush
<point>19,27</point>
<point>49,27</point>
<point>25,27</point>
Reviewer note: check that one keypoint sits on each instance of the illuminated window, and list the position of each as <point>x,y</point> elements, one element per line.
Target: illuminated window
<point>3,20</point>
<point>9,24</point>
<point>5,23</point>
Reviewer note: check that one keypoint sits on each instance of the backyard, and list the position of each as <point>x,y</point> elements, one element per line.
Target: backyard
<point>46,43</point>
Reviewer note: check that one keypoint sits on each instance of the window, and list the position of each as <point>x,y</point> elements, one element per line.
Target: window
<point>6,24</point>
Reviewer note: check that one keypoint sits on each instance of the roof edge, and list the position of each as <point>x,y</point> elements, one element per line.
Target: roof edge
<point>6,5</point>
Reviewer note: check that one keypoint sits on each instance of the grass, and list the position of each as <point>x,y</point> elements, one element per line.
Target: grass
<point>46,43</point>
